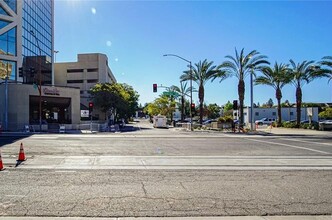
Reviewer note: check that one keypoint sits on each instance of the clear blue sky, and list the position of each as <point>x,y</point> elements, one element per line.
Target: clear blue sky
<point>135,35</point>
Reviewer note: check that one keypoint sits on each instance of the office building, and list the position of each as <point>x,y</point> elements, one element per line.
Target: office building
<point>26,68</point>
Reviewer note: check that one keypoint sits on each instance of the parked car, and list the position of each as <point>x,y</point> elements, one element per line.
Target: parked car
<point>209,121</point>
<point>307,122</point>
<point>325,125</point>
<point>265,121</point>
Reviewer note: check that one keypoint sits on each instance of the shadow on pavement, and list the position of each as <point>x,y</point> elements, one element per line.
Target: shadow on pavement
<point>11,138</point>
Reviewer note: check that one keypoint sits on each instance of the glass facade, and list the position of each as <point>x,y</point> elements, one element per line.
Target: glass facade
<point>37,31</point>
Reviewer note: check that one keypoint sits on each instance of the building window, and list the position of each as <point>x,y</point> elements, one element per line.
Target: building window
<point>12,4</point>
<point>245,113</point>
<point>75,71</point>
<point>7,68</point>
<point>256,113</point>
<point>274,113</point>
<point>8,42</point>
<point>74,81</point>
<point>81,92</point>
<point>291,113</point>
<point>93,70</point>
<point>92,80</point>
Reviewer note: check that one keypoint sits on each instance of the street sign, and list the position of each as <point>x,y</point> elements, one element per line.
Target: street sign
<point>85,113</point>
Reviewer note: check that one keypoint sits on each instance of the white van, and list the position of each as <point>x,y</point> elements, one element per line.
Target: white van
<point>265,121</point>
<point>160,121</point>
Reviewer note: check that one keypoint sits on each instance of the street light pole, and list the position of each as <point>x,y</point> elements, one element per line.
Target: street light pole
<point>191,85</point>
<point>53,66</point>
<point>6,100</point>
<point>39,86</point>
<point>251,100</point>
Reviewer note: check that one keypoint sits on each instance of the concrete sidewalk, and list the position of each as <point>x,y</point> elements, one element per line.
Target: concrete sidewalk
<point>293,131</point>
<point>321,217</point>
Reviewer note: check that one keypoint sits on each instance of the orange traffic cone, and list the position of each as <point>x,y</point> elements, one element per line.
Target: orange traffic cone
<point>1,164</point>
<point>21,156</point>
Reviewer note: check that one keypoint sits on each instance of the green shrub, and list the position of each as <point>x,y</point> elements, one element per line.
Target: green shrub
<point>226,118</point>
<point>286,124</point>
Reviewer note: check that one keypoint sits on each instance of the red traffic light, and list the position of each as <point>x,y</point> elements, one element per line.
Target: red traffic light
<point>155,86</point>
<point>192,105</point>
<point>91,104</point>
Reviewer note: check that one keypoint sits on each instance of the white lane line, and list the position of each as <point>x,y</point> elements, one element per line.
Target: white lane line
<point>15,195</point>
<point>309,142</point>
<point>288,145</point>
<point>65,171</point>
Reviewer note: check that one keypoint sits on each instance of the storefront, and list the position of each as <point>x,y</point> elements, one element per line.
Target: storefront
<point>59,105</point>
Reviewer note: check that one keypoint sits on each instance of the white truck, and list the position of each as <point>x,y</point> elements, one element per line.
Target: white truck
<point>160,121</point>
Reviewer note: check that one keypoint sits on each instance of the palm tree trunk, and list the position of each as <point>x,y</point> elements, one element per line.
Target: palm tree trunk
<point>201,102</point>
<point>241,90</point>
<point>182,108</point>
<point>298,105</point>
<point>279,96</point>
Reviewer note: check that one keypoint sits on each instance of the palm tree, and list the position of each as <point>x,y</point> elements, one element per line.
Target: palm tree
<point>327,61</point>
<point>303,73</point>
<point>277,77</point>
<point>184,91</point>
<point>240,66</point>
<point>201,73</point>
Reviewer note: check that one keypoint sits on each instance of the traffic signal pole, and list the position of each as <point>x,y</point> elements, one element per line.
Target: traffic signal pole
<point>90,112</point>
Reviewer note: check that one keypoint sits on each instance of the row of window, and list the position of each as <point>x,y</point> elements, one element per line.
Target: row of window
<point>82,70</point>
<point>39,10</point>
<point>37,17</point>
<point>45,35</point>
<point>273,113</point>
<point>81,81</point>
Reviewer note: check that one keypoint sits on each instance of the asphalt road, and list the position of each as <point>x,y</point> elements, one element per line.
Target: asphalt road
<point>160,172</point>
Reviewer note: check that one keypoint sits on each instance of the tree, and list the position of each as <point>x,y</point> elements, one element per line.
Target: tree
<point>276,77</point>
<point>184,91</point>
<point>131,101</point>
<point>213,111</point>
<point>327,113</point>
<point>163,105</point>
<point>201,73</point>
<point>327,62</point>
<point>121,99</point>
<point>240,66</point>
<point>228,106</point>
<point>302,73</point>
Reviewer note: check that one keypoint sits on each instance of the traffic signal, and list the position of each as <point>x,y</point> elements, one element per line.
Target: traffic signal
<point>192,107</point>
<point>235,106</point>
<point>20,72</point>
<point>32,72</point>
<point>155,86</point>
<point>90,107</point>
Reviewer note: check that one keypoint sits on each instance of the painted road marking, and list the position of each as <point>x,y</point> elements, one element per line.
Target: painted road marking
<point>309,142</point>
<point>288,145</point>
<point>179,162</point>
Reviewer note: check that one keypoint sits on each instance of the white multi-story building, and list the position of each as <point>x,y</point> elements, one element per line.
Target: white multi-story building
<point>287,114</point>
